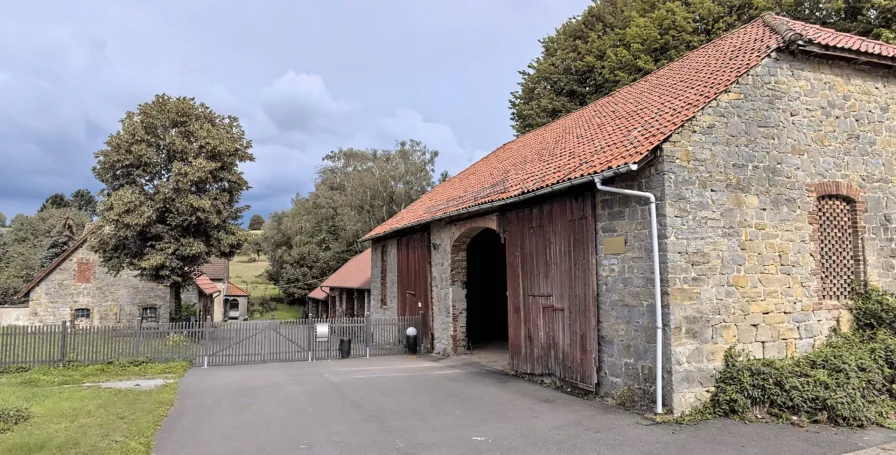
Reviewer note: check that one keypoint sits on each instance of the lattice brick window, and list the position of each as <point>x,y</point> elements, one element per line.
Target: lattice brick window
<point>384,269</point>
<point>85,271</point>
<point>838,244</point>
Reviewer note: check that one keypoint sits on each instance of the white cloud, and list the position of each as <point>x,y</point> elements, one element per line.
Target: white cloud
<point>301,102</point>
<point>407,123</point>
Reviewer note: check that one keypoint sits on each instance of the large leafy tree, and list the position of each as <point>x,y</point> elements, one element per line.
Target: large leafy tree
<point>355,190</point>
<point>24,245</point>
<point>2,219</point>
<point>615,42</point>
<point>172,191</point>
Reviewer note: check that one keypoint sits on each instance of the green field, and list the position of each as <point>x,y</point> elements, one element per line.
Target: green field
<point>67,419</point>
<point>250,276</point>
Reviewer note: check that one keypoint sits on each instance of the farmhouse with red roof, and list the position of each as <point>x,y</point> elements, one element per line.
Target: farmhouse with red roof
<point>770,154</point>
<point>76,288</point>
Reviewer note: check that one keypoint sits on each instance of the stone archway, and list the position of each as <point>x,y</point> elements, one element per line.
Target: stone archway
<point>479,288</point>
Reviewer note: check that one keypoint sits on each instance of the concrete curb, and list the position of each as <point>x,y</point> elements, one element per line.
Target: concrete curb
<point>886,449</point>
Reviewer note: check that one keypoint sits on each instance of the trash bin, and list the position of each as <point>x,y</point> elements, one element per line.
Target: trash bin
<point>345,347</point>
<point>412,341</point>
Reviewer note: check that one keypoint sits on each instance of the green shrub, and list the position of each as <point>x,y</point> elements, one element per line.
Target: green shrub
<point>874,309</point>
<point>10,416</point>
<point>851,381</point>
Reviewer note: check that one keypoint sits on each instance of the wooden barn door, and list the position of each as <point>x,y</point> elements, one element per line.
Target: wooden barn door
<point>413,280</point>
<point>552,288</point>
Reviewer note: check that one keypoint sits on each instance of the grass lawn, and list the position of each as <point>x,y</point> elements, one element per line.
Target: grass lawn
<point>86,420</point>
<point>250,276</point>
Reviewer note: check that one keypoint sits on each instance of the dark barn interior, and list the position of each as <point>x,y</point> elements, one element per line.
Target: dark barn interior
<point>486,290</point>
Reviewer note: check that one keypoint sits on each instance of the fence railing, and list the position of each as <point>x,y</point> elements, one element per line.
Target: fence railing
<point>205,343</point>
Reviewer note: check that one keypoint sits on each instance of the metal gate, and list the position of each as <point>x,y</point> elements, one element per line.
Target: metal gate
<point>238,343</point>
<point>552,288</point>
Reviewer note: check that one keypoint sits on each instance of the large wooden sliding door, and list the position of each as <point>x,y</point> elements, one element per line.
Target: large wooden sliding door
<point>552,288</point>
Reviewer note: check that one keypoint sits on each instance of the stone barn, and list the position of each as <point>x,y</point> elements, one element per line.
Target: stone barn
<point>769,153</point>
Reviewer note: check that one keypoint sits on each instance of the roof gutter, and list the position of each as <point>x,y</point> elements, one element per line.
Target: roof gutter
<point>490,205</point>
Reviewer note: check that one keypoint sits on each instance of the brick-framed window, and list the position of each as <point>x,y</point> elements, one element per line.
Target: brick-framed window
<point>837,234</point>
<point>81,314</point>
<point>85,271</point>
<point>149,314</point>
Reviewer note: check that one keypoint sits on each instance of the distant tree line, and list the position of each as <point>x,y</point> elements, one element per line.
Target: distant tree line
<point>355,190</point>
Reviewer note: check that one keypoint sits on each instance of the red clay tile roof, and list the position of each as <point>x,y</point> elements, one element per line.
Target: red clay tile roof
<point>318,294</point>
<point>354,274</point>
<point>216,269</point>
<point>205,285</point>
<point>832,38</point>
<point>62,257</point>
<point>236,291</point>
<point>621,128</point>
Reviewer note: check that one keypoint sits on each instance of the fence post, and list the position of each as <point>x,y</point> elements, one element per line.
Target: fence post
<point>205,340</point>
<point>139,335</point>
<point>421,343</point>
<point>367,333</point>
<point>311,337</point>
<point>63,342</point>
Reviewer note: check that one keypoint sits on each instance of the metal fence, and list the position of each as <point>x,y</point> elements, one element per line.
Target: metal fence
<point>206,343</point>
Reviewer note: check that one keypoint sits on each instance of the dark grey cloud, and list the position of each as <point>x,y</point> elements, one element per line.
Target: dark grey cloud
<point>304,77</point>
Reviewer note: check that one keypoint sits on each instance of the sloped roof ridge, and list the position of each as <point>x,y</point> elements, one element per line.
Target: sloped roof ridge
<point>59,260</point>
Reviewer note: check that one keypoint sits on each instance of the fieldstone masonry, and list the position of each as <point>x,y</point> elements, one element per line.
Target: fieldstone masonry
<point>738,189</point>
<point>380,282</point>
<point>626,322</point>
<point>81,282</point>
<point>739,196</point>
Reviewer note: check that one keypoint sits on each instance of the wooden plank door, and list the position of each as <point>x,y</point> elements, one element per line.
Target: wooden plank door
<point>414,291</point>
<point>552,288</point>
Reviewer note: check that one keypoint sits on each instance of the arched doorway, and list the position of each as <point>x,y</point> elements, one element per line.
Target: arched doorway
<point>486,292</point>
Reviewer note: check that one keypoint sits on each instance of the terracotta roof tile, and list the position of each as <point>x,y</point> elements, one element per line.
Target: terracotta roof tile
<point>216,269</point>
<point>318,294</point>
<point>354,274</point>
<point>236,291</point>
<point>205,285</point>
<point>619,129</point>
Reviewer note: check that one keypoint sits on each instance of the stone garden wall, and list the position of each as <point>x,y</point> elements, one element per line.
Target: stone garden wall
<point>740,183</point>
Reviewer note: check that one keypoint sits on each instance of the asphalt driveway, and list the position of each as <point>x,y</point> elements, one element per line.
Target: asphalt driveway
<point>392,405</point>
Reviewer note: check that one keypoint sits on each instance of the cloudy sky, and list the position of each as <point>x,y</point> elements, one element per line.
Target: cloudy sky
<point>304,77</point>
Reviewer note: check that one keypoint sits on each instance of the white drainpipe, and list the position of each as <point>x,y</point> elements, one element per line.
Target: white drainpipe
<point>657,298</point>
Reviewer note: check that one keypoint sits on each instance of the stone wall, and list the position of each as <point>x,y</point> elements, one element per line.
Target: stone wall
<point>81,282</point>
<point>449,277</point>
<point>626,311</point>
<point>14,315</point>
<point>380,304</point>
<point>741,263</point>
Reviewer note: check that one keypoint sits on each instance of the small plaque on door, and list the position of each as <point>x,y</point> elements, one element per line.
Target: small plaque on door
<point>614,245</point>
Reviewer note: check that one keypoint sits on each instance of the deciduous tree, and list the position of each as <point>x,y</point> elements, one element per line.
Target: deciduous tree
<point>256,222</point>
<point>355,190</point>
<point>172,191</point>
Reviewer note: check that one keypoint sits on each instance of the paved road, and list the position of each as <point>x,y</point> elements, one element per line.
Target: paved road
<point>395,405</point>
